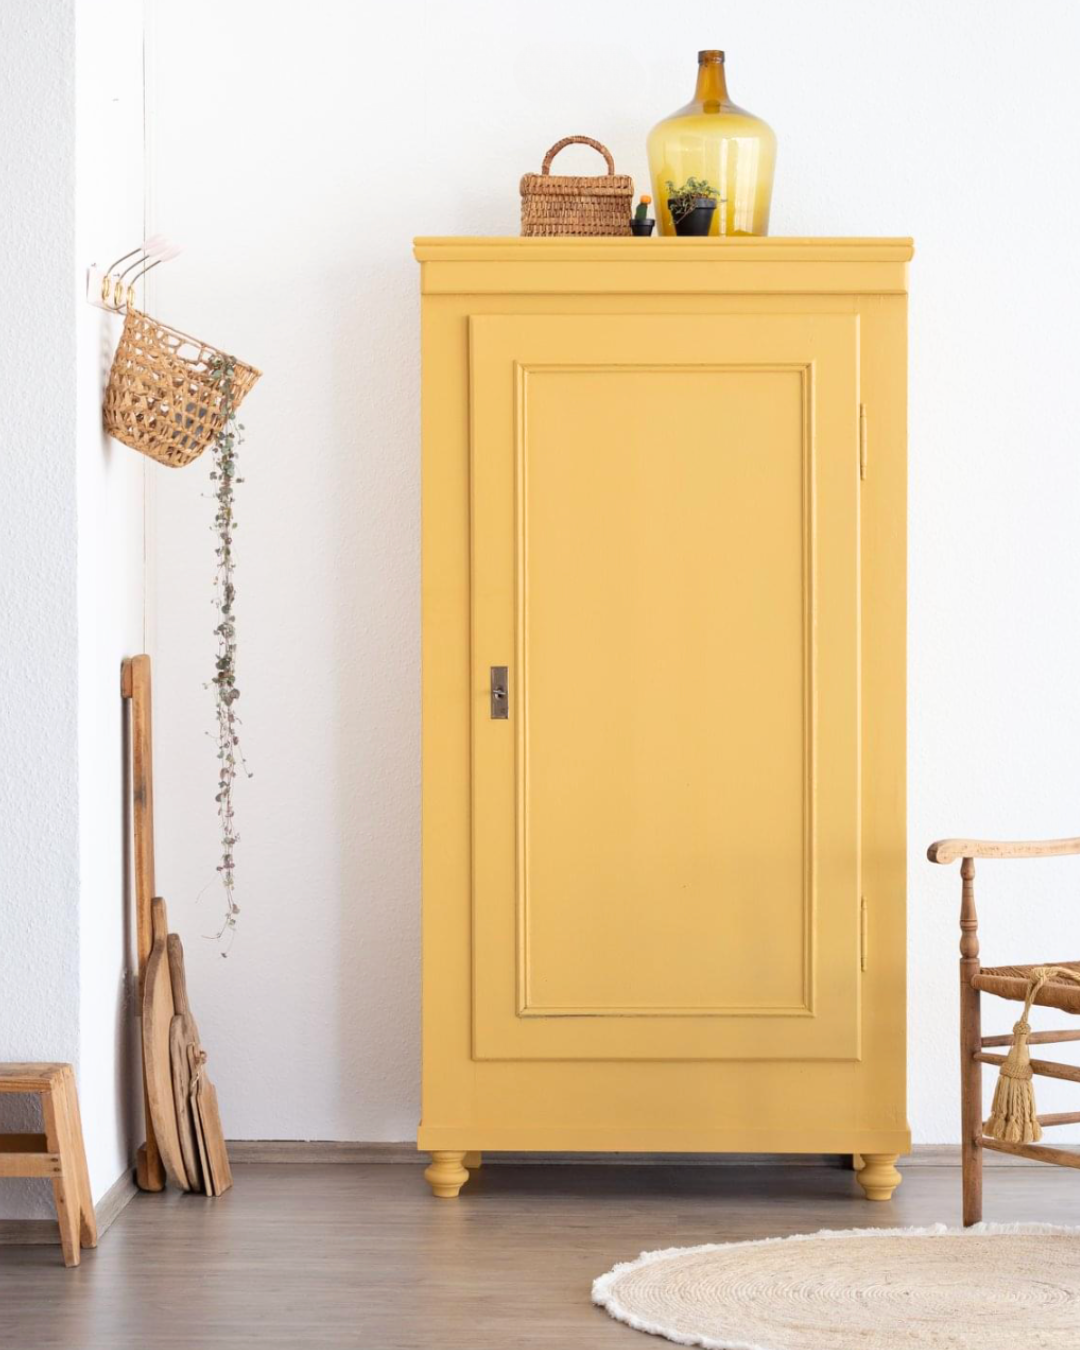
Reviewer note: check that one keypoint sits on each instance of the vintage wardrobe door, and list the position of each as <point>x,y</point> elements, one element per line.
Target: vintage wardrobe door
<point>665,804</point>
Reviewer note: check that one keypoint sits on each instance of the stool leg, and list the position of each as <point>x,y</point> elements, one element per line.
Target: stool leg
<point>65,1186</point>
<point>88,1235</point>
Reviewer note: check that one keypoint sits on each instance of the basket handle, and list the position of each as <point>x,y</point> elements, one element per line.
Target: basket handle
<point>577,140</point>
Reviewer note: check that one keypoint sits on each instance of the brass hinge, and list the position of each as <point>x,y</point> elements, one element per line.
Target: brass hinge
<point>862,440</point>
<point>862,933</point>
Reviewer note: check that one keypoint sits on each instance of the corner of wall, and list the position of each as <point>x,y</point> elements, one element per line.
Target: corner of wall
<point>110,483</point>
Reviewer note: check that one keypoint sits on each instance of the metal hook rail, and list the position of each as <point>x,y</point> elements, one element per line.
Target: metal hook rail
<point>110,289</point>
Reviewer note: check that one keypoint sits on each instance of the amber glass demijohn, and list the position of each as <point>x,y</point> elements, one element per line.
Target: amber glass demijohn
<point>712,139</point>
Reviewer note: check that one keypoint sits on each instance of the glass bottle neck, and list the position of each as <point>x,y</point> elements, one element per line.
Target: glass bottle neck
<point>711,84</point>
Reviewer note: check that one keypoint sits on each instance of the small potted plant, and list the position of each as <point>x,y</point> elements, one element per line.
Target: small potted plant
<point>692,205</point>
<point>640,224</point>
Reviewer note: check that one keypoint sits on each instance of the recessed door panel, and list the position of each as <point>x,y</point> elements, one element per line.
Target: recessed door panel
<point>664,558</point>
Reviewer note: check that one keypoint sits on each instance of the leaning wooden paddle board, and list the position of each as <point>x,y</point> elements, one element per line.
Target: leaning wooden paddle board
<point>182,1033</point>
<point>157,1016</point>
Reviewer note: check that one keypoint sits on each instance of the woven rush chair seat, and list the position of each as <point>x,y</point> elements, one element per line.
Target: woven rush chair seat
<point>1012,982</point>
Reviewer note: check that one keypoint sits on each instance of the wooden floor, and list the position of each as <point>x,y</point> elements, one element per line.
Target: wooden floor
<point>362,1256</point>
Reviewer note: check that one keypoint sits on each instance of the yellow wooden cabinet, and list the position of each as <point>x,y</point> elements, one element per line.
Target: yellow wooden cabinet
<point>663,698</point>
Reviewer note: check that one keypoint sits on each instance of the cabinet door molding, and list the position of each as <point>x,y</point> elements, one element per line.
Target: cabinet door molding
<point>665,549</point>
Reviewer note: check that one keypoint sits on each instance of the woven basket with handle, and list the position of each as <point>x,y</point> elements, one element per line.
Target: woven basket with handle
<point>576,204</point>
<point>161,398</point>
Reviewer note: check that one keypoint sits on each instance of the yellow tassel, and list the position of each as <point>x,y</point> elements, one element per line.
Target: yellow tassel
<point>1013,1117</point>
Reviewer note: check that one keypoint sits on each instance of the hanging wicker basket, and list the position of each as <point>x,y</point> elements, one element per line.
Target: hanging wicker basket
<point>582,205</point>
<point>161,398</point>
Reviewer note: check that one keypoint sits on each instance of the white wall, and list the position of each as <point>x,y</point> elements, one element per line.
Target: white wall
<point>298,152</point>
<point>39,843</point>
<point>109,221</point>
<point>70,563</point>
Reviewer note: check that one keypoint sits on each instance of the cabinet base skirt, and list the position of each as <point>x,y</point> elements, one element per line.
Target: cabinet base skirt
<point>590,1140</point>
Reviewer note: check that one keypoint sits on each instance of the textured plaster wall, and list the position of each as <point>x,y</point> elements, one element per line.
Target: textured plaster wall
<point>345,130</point>
<point>39,843</point>
<point>70,563</point>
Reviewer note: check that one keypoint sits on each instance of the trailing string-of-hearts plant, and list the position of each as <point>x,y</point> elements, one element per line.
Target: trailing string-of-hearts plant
<point>230,756</point>
<point>171,396</point>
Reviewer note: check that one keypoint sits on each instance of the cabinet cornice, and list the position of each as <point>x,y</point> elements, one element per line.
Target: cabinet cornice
<point>457,266</point>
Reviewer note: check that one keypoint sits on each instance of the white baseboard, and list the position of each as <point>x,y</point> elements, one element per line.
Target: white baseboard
<point>349,1151</point>
<point>322,1151</point>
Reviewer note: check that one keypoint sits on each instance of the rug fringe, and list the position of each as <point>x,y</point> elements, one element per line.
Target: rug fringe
<point>602,1284</point>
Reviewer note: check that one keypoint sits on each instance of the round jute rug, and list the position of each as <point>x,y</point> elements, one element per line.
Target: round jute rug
<point>990,1287</point>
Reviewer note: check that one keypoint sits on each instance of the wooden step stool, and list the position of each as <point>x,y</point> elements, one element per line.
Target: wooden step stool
<point>57,1154</point>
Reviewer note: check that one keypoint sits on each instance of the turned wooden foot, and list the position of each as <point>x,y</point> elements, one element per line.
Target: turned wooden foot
<point>446,1175</point>
<point>878,1175</point>
<point>473,1160</point>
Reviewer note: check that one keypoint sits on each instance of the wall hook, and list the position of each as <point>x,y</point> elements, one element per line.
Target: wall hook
<point>107,289</point>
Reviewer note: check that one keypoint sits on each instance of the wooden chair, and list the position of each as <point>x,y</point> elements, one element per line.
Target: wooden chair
<point>57,1154</point>
<point>1010,982</point>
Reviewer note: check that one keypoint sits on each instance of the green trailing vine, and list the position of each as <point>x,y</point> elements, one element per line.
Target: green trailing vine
<point>230,756</point>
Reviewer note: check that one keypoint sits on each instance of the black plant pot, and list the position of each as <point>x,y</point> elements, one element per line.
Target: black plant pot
<point>642,228</point>
<point>698,220</point>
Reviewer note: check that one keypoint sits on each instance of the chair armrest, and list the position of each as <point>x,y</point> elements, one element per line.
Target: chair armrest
<point>948,850</point>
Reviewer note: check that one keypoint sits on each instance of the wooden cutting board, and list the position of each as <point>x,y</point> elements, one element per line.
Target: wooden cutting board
<point>196,1059</point>
<point>157,1015</point>
<point>183,1033</point>
<point>202,1141</point>
<point>206,1108</point>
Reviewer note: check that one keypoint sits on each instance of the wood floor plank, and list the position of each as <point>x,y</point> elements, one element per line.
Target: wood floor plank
<point>326,1256</point>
